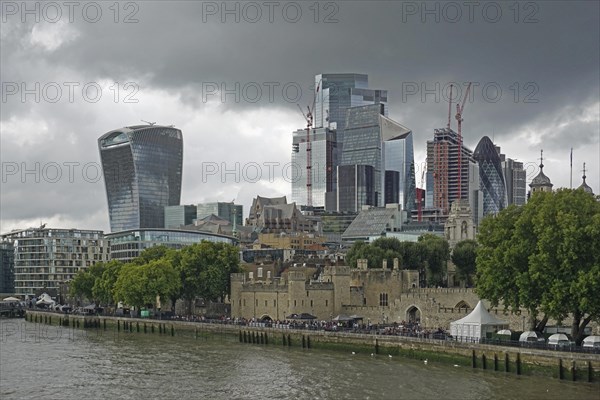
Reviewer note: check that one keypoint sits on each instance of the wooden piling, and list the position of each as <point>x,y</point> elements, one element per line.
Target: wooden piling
<point>308,341</point>
<point>483,362</point>
<point>573,371</point>
<point>284,340</point>
<point>495,362</point>
<point>590,372</point>
<point>518,363</point>
<point>289,341</point>
<point>560,369</point>
<point>473,360</point>
<point>506,363</point>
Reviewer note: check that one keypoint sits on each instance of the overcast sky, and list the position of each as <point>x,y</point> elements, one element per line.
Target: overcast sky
<point>82,71</point>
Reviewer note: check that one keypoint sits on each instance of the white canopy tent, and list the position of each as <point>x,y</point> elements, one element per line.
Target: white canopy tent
<point>591,341</point>
<point>475,325</point>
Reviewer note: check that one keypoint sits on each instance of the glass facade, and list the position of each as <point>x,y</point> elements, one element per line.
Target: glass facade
<point>491,177</point>
<point>516,182</point>
<point>127,245</point>
<point>399,156</point>
<point>228,211</point>
<point>44,258</point>
<point>337,93</point>
<point>7,267</point>
<point>176,216</point>
<point>323,149</point>
<point>356,187</point>
<point>142,167</point>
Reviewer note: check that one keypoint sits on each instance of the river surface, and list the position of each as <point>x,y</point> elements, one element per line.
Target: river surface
<point>44,362</point>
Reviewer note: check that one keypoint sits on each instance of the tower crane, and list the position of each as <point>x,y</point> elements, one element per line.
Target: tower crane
<point>309,122</point>
<point>459,113</point>
<point>419,201</point>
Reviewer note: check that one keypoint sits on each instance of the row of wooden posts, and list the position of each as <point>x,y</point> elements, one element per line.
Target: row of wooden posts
<point>98,323</point>
<point>561,368</point>
<point>263,338</point>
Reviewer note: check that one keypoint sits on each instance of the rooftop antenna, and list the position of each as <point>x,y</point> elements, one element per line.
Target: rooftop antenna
<point>149,123</point>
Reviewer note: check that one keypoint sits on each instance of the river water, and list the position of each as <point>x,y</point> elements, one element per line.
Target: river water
<point>44,362</point>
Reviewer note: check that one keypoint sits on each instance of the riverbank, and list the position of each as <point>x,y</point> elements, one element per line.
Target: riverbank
<point>579,367</point>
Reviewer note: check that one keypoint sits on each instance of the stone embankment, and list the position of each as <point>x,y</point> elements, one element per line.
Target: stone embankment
<point>574,366</point>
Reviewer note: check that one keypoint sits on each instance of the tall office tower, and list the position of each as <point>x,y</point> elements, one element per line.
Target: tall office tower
<point>355,187</point>
<point>142,168</point>
<point>324,160</point>
<point>515,179</point>
<point>338,92</point>
<point>491,176</point>
<point>399,157</point>
<point>178,216</point>
<point>44,258</point>
<point>443,171</point>
<point>234,213</point>
<point>375,140</point>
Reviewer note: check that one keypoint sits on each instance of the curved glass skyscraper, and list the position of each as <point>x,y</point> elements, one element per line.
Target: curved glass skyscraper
<point>491,177</point>
<point>142,167</point>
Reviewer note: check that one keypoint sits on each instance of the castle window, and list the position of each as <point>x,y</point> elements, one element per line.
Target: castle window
<point>268,274</point>
<point>383,299</point>
<point>251,275</point>
<point>259,273</point>
<point>326,303</point>
<point>311,303</point>
<point>265,303</point>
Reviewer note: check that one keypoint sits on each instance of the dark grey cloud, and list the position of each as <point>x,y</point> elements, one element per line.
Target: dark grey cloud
<point>547,71</point>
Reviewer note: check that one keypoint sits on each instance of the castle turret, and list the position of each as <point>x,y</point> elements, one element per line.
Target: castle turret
<point>541,183</point>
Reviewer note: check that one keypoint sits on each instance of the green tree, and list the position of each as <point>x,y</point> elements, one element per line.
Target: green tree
<point>138,285</point>
<point>463,256</point>
<point>361,250</point>
<point>83,283</point>
<point>436,253</point>
<point>205,269</point>
<point>544,257</point>
<point>104,286</point>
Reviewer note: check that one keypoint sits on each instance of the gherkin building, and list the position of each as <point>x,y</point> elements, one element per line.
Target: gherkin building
<point>142,167</point>
<point>491,177</point>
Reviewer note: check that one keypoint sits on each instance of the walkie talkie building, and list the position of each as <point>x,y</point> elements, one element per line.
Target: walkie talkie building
<point>142,167</point>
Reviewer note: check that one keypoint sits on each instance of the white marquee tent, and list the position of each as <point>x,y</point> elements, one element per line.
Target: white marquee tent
<point>475,325</point>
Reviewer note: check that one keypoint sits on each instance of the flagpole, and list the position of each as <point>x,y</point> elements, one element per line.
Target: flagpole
<point>571,179</point>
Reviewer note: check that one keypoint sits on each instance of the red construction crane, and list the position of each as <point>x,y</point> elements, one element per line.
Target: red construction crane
<point>459,111</point>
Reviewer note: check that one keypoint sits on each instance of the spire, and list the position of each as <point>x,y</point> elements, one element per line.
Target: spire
<point>584,185</point>
<point>541,182</point>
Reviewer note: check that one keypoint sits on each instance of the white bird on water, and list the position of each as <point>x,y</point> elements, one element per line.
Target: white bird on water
<point>372,354</point>
<point>353,353</point>
<point>389,355</point>
<point>425,361</point>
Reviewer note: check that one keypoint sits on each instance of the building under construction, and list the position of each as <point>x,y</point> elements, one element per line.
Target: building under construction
<point>444,176</point>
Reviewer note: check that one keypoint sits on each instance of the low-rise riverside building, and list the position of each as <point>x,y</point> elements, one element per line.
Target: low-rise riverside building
<point>45,257</point>
<point>127,245</point>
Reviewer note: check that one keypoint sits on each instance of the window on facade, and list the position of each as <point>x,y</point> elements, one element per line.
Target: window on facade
<point>294,303</point>
<point>383,299</point>
<point>326,303</point>
<point>268,274</point>
<point>265,303</point>
<point>251,275</point>
<point>311,303</point>
<point>259,273</point>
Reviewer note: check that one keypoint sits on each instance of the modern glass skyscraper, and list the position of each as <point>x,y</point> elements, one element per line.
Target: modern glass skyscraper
<point>324,160</point>
<point>375,140</point>
<point>491,177</point>
<point>338,92</point>
<point>142,168</point>
<point>399,156</point>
